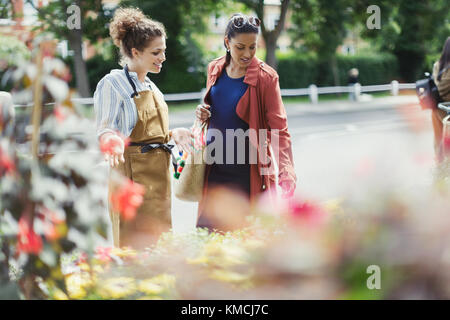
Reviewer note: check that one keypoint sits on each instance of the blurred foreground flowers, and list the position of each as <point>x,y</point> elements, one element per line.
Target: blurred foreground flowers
<point>302,250</point>
<point>51,201</point>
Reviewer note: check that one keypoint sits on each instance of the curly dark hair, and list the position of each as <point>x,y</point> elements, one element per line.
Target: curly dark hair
<point>131,28</point>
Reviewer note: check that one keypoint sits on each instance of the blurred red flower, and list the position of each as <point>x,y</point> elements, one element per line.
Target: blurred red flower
<point>28,240</point>
<point>127,198</point>
<point>7,165</point>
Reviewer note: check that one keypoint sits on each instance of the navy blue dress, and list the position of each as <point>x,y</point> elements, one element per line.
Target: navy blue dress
<point>224,97</point>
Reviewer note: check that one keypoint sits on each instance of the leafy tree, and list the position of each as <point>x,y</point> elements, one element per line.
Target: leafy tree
<point>93,16</point>
<point>417,33</point>
<point>6,9</point>
<point>321,26</point>
<point>270,36</point>
<point>411,30</point>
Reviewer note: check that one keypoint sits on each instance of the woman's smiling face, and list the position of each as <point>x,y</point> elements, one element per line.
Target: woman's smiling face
<point>152,57</point>
<point>242,48</point>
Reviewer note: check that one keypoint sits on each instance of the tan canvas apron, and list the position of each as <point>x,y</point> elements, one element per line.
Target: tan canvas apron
<point>150,169</point>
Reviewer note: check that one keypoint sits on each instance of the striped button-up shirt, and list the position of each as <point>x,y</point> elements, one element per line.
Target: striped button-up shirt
<point>114,108</point>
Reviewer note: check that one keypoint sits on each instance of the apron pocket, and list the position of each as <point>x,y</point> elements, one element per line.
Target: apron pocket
<point>152,123</point>
<point>151,169</point>
<point>148,114</point>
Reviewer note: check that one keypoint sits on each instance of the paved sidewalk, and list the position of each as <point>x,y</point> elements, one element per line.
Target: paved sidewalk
<point>185,118</point>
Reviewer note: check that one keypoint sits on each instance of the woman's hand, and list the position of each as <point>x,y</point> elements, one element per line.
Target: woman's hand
<point>113,148</point>
<point>202,112</point>
<point>287,188</point>
<point>183,139</point>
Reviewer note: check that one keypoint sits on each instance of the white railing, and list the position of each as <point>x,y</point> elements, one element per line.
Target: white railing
<point>312,91</point>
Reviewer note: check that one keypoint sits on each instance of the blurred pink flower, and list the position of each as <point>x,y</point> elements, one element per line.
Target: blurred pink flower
<point>446,143</point>
<point>59,113</point>
<point>103,254</point>
<point>306,212</point>
<point>82,259</point>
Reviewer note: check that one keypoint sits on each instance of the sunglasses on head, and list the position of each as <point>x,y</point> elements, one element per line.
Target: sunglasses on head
<point>240,20</point>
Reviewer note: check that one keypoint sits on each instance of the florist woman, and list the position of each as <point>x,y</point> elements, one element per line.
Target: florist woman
<point>127,104</point>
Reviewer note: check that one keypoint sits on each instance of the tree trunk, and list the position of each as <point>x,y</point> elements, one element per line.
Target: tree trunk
<point>334,68</point>
<point>271,47</point>
<point>270,36</point>
<point>81,78</point>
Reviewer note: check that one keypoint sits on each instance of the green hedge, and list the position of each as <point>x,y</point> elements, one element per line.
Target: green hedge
<point>97,67</point>
<point>172,80</point>
<point>295,70</point>
<point>299,71</point>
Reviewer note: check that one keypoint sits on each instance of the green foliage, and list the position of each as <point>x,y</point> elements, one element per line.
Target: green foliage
<point>12,51</point>
<point>414,31</point>
<point>5,9</point>
<point>415,34</point>
<point>299,71</point>
<point>54,18</point>
<point>98,67</point>
<point>295,71</point>
<point>94,18</point>
<point>320,24</point>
